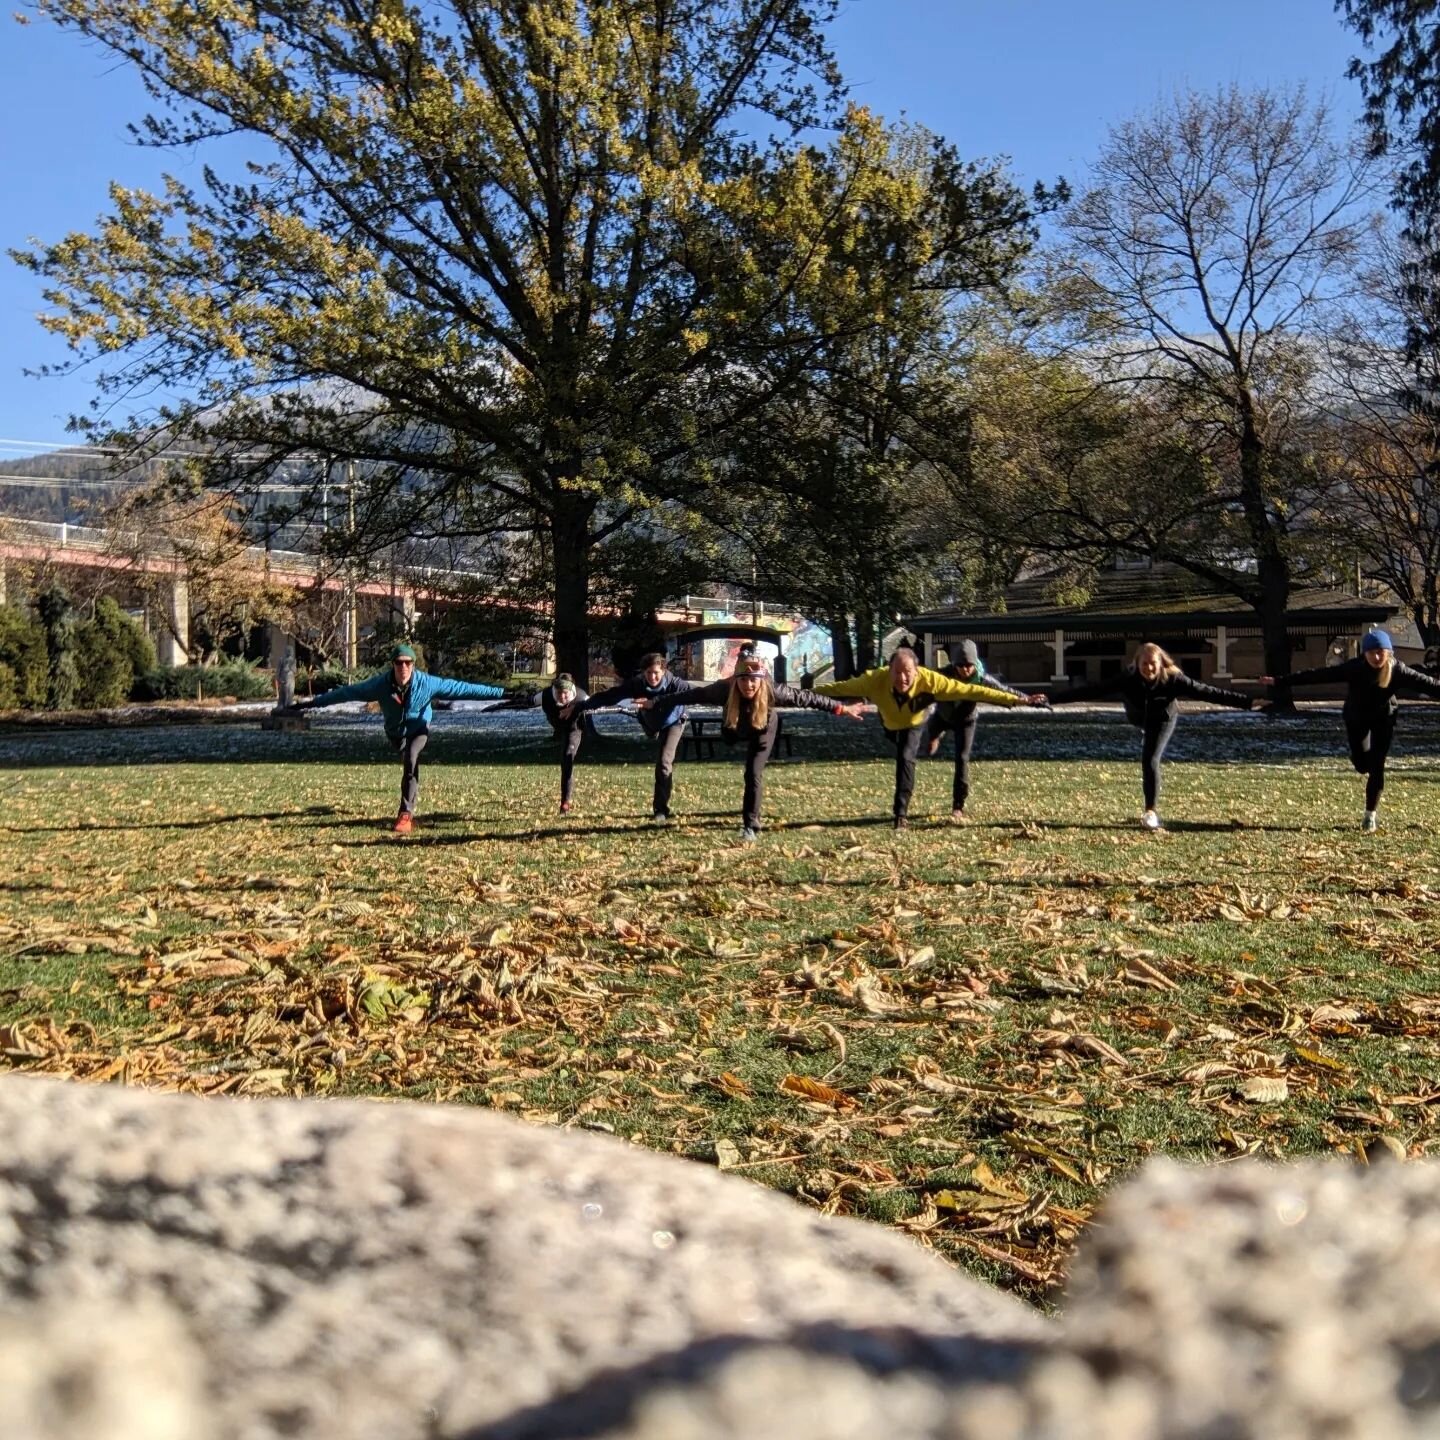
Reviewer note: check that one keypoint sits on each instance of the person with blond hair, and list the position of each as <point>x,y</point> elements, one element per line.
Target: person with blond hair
<point>1151,689</point>
<point>751,703</point>
<point>1372,680</point>
<point>903,692</point>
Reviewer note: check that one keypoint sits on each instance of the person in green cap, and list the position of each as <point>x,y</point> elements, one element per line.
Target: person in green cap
<point>404,695</point>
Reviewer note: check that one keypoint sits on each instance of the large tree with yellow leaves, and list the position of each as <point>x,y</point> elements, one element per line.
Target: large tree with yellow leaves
<point>523,259</point>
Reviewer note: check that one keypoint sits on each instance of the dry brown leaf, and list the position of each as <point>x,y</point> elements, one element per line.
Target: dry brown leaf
<point>1265,1089</point>
<point>810,1089</point>
<point>730,1084</point>
<point>1319,1060</point>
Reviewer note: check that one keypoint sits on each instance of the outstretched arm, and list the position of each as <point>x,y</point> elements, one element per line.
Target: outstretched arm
<point>1413,679</point>
<point>683,692</point>
<point>942,687</point>
<point>792,697</point>
<point>857,687</point>
<point>1213,694</point>
<point>465,690</point>
<point>371,689</point>
<point>625,690</point>
<point>1322,675</point>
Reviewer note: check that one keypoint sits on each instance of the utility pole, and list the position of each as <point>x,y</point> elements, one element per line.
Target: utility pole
<point>352,609</point>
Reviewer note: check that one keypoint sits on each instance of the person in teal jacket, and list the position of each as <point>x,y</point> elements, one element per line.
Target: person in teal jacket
<point>404,695</point>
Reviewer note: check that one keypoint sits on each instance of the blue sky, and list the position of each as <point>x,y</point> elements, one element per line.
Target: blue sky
<point>1040,81</point>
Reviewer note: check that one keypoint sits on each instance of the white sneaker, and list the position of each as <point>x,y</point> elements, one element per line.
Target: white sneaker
<point>1370,824</point>
<point>1151,821</point>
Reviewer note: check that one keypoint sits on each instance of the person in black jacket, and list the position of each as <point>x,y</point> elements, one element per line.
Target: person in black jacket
<point>962,716</point>
<point>652,681</point>
<point>1151,690</point>
<point>1372,680</point>
<point>561,703</point>
<point>752,704</point>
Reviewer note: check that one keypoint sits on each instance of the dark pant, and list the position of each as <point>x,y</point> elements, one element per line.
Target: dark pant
<point>760,747</point>
<point>569,738</point>
<point>964,729</point>
<point>670,738</point>
<point>907,747</point>
<point>409,747</point>
<point>1157,732</point>
<point>1370,737</point>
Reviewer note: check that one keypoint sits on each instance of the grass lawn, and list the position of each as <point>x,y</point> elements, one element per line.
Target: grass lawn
<point>968,1033</point>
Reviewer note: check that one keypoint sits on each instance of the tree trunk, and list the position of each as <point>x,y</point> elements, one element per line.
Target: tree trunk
<point>841,649</point>
<point>865,650</point>
<point>1272,564</point>
<point>570,533</point>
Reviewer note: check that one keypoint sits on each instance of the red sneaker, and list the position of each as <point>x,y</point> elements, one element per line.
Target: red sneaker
<point>565,807</point>
<point>404,823</point>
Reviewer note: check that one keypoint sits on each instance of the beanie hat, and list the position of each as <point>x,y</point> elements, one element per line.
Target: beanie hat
<point>1377,640</point>
<point>564,684</point>
<point>402,652</point>
<point>969,653</point>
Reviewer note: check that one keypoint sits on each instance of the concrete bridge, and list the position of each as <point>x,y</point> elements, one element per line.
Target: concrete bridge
<point>85,547</point>
<point>365,599</point>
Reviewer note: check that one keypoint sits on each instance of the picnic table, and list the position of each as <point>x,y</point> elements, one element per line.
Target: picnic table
<point>705,730</point>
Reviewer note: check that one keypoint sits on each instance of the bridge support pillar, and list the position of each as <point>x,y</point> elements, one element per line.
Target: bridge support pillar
<point>402,607</point>
<point>174,642</point>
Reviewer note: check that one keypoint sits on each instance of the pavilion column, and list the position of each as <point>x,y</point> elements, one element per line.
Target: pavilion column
<point>1222,653</point>
<point>3,592</point>
<point>1058,645</point>
<point>929,650</point>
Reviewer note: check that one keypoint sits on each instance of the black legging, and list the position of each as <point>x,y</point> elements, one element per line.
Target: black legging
<point>569,738</point>
<point>1157,731</point>
<point>670,738</point>
<point>409,747</point>
<point>760,746</point>
<point>1370,737</point>
<point>964,728</point>
<point>907,747</point>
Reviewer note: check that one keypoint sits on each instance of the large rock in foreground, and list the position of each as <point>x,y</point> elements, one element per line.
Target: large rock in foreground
<point>349,1270</point>
<point>179,1269</point>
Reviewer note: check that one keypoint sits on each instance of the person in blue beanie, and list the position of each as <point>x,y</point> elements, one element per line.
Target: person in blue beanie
<point>404,695</point>
<point>1372,680</point>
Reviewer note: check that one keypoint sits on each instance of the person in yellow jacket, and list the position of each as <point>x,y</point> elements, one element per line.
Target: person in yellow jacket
<point>903,693</point>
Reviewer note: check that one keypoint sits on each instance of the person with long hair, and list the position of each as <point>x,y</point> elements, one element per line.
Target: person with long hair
<point>1151,689</point>
<point>1373,680</point>
<point>651,681</point>
<point>404,695</point>
<point>962,716</point>
<point>560,701</point>
<point>751,703</point>
<point>903,692</point>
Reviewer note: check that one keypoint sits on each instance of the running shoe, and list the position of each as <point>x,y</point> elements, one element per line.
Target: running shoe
<point>1370,824</point>
<point>1151,821</point>
<point>404,823</point>
<point>749,836</point>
